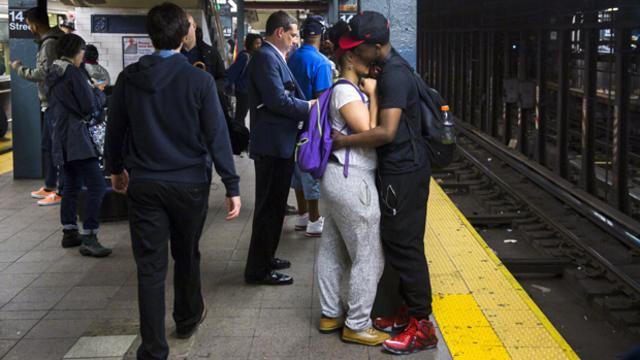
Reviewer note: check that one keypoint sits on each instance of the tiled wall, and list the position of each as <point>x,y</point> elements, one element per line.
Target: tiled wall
<point>110,45</point>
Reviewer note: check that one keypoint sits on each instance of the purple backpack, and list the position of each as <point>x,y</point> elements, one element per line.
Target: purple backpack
<point>314,144</point>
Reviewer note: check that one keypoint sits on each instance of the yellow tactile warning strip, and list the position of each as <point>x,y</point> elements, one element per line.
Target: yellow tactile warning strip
<point>481,309</point>
<point>6,162</point>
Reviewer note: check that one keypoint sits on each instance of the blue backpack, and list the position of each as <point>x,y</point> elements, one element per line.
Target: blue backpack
<point>314,144</point>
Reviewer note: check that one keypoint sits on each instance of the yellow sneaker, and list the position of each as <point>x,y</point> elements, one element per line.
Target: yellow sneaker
<point>42,193</point>
<point>52,199</point>
<point>371,336</point>
<point>329,325</point>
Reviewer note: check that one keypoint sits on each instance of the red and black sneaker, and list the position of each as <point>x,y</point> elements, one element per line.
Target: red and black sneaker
<point>393,323</point>
<point>417,336</point>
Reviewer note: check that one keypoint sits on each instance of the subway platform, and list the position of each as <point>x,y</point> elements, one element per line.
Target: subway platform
<point>57,304</point>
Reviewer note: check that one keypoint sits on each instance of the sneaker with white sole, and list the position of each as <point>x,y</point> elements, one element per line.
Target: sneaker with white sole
<point>314,228</point>
<point>42,193</point>
<point>302,221</point>
<point>51,199</point>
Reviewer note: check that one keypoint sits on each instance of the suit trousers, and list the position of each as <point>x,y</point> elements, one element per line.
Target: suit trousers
<point>403,208</point>
<point>273,177</point>
<point>160,211</point>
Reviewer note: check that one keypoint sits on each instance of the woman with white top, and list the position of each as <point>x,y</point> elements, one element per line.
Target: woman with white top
<point>350,244</point>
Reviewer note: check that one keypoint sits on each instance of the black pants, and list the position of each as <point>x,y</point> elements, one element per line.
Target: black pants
<point>242,108</point>
<point>273,177</point>
<point>403,207</point>
<point>159,211</point>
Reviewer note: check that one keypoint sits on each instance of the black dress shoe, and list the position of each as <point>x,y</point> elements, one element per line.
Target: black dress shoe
<point>291,210</point>
<point>279,264</point>
<point>273,278</point>
<point>187,332</point>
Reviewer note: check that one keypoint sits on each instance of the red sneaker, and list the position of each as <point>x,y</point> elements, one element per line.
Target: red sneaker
<point>393,323</point>
<point>417,336</point>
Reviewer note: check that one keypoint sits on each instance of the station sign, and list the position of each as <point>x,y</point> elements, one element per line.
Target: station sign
<point>18,28</point>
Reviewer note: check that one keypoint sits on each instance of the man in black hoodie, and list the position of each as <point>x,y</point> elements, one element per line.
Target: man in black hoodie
<point>165,120</point>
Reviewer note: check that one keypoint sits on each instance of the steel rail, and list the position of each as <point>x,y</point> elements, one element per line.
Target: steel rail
<point>614,222</point>
<point>573,238</point>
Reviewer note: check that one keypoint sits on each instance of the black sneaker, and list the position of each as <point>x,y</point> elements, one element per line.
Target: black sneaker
<point>70,238</point>
<point>91,246</point>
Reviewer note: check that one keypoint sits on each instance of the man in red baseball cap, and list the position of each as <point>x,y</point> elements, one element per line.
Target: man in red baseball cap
<point>403,172</point>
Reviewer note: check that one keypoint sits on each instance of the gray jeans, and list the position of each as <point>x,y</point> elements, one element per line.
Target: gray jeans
<point>350,244</point>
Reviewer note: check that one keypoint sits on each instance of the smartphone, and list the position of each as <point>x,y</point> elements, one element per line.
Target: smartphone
<point>100,82</point>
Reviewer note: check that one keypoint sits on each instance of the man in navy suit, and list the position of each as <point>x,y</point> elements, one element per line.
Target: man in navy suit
<point>277,115</point>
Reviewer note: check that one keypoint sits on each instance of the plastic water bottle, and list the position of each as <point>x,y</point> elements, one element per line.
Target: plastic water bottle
<point>448,129</point>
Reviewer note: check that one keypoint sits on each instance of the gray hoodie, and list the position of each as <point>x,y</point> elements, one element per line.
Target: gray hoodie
<point>44,59</point>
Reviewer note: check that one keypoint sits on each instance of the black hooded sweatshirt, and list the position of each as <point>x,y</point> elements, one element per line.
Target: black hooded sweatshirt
<point>164,120</point>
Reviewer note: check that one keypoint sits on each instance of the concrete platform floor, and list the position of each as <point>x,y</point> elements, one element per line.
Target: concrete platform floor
<point>55,303</point>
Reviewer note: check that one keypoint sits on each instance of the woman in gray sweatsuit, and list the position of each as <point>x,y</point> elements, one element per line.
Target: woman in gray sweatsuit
<point>350,241</point>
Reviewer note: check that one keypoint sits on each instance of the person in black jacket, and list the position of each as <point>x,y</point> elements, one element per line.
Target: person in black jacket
<point>73,102</point>
<point>208,58</point>
<point>165,123</point>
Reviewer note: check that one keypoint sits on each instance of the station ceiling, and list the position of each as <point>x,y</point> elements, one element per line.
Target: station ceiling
<point>145,4</point>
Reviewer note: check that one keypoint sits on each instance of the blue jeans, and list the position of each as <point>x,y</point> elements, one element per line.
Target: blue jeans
<point>304,181</point>
<point>52,180</point>
<point>76,173</point>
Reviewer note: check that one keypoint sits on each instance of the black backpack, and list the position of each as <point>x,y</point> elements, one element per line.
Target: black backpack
<point>431,124</point>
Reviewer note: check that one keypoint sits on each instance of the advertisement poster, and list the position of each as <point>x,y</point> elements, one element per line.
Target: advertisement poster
<point>135,47</point>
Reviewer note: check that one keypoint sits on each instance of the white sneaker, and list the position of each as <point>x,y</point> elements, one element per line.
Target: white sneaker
<point>301,222</point>
<point>314,229</point>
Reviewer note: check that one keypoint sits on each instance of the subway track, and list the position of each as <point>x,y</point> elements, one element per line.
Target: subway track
<point>552,238</point>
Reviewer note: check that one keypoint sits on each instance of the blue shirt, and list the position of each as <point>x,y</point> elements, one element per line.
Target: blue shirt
<point>311,69</point>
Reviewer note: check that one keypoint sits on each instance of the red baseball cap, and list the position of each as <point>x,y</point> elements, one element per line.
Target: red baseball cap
<point>347,42</point>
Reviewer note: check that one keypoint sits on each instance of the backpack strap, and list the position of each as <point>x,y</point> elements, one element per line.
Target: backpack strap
<point>346,127</point>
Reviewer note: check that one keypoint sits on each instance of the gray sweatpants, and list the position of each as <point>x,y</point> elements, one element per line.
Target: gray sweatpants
<point>350,243</point>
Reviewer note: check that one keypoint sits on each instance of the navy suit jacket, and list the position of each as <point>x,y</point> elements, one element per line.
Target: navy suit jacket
<point>276,105</point>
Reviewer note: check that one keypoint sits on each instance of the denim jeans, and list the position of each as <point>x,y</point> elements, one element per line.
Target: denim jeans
<point>53,178</point>
<point>76,173</point>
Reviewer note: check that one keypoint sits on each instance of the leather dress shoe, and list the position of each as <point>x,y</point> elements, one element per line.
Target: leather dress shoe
<point>273,278</point>
<point>187,332</point>
<point>279,264</point>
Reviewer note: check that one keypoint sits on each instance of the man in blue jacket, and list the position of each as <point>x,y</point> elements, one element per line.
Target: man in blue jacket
<point>277,115</point>
<point>165,120</point>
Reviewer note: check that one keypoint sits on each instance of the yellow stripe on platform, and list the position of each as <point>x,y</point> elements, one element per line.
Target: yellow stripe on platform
<point>481,309</point>
<point>6,162</point>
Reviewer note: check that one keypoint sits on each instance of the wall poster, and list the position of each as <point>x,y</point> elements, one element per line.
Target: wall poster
<point>135,47</point>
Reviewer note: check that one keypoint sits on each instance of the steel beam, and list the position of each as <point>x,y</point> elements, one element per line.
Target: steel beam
<point>523,114</point>
<point>462,72</point>
<point>491,86</point>
<point>621,121</point>
<point>473,79</point>
<point>26,125</point>
<point>506,107</point>
<point>540,116</point>
<point>440,62</point>
<point>482,80</point>
<point>464,60</point>
<point>589,100</point>
<point>446,38</point>
<point>562,112</point>
<point>469,78</point>
<point>287,5</point>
